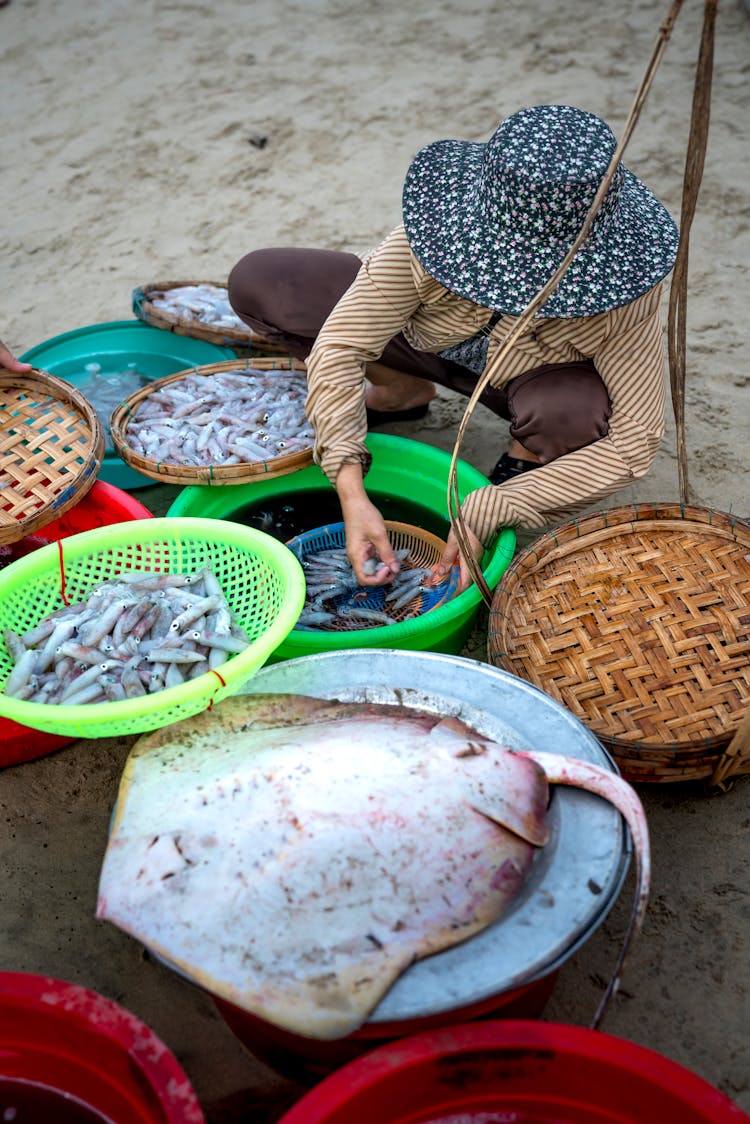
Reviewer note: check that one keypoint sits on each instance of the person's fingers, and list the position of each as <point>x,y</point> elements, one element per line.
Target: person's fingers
<point>381,556</point>
<point>9,361</point>
<point>371,555</point>
<point>383,575</point>
<point>464,576</point>
<point>362,564</point>
<point>448,558</point>
<point>365,575</point>
<point>452,555</point>
<point>387,554</point>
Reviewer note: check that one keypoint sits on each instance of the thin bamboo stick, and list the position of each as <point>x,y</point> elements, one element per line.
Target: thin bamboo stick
<point>696,151</point>
<point>454,511</point>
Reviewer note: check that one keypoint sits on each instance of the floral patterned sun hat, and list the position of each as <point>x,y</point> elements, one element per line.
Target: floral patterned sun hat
<point>492,222</point>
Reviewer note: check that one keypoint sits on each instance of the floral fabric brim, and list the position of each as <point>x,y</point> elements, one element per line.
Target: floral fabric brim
<point>498,269</point>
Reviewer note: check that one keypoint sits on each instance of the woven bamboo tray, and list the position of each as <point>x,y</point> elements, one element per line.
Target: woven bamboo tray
<point>51,447</point>
<point>637,620</point>
<point>224,335</point>
<point>169,473</point>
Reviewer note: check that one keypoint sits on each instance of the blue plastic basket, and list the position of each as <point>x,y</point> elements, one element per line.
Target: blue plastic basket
<point>425,550</point>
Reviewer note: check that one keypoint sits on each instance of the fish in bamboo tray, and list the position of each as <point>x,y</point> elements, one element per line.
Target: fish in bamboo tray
<point>226,418</point>
<point>206,303</point>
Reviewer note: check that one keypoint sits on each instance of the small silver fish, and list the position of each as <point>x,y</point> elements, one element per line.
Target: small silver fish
<point>335,599</point>
<point>216,418</point>
<point>132,636</point>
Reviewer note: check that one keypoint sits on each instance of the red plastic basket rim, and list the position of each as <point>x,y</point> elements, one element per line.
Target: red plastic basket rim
<point>105,1018</point>
<point>578,1045</point>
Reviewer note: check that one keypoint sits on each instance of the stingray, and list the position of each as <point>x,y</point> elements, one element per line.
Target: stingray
<point>294,856</point>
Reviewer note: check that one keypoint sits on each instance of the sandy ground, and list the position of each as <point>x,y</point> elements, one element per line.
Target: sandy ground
<point>148,141</point>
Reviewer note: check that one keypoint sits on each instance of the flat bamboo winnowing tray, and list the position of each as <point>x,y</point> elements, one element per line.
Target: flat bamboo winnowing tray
<point>168,472</point>
<point>637,619</point>
<point>51,448</point>
<point>225,335</point>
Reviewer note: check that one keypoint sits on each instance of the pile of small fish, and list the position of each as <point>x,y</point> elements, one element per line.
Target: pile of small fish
<point>134,635</point>
<point>232,417</point>
<point>106,389</point>
<point>207,303</point>
<point>335,601</point>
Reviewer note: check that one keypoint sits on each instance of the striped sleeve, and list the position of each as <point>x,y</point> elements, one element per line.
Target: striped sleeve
<point>630,359</point>
<point>380,300</point>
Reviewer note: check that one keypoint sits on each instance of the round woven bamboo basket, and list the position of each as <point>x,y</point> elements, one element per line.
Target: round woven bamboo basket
<point>637,619</point>
<point>167,472</point>
<point>51,447</point>
<point>225,335</point>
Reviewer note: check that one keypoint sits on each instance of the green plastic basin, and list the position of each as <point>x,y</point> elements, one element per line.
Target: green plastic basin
<point>154,351</point>
<point>401,468</point>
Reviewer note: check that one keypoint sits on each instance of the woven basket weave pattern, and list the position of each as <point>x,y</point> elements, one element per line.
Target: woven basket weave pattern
<point>51,447</point>
<point>637,620</point>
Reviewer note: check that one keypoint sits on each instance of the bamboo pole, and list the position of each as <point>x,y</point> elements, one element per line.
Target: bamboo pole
<point>696,151</point>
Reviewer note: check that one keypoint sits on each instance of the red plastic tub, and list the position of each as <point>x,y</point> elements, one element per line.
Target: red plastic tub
<point>103,505</point>
<point>519,1071</point>
<point>70,1056</point>
<point>307,1060</point>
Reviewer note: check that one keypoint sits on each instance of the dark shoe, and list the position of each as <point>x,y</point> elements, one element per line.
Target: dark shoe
<point>383,417</point>
<point>508,467</point>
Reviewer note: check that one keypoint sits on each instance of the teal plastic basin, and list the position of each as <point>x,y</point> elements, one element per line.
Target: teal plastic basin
<point>402,468</point>
<point>154,351</point>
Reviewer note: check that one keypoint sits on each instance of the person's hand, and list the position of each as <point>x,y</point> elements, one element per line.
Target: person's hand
<point>367,544</point>
<point>452,555</point>
<point>10,362</point>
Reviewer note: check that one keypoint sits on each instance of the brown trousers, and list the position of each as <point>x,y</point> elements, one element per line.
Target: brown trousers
<point>286,294</point>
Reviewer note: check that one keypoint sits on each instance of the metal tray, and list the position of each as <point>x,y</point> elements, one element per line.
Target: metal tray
<point>557,910</point>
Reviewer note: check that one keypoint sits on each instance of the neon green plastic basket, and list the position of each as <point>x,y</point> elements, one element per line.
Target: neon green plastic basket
<point>262,581</point>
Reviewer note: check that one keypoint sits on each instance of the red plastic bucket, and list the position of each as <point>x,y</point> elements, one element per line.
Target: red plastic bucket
<point>520,1071</point>
<point>70,1056</point>
<point>102,505</point>
<point>307,1060</point>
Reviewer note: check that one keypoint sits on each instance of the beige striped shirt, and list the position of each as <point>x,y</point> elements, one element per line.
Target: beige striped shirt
<point>393,293</point>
